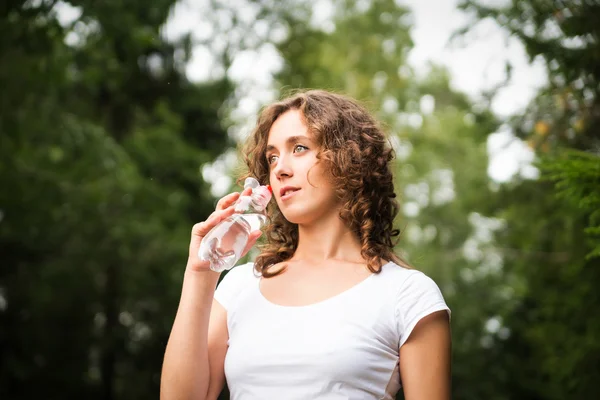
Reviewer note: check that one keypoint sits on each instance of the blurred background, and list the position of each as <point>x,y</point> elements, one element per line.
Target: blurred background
<point>119,122</point>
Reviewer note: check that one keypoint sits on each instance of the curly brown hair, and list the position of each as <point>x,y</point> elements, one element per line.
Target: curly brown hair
<point>357,154</point>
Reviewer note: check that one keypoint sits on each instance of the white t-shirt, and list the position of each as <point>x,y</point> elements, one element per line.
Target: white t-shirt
<point>345,347</point>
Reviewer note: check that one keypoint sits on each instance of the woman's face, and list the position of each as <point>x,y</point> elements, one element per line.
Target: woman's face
<point>300,184</point>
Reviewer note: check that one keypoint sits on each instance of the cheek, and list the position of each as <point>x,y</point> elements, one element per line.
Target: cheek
<point>317,175</point>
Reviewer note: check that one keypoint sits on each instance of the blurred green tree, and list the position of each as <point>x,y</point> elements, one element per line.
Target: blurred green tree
<point>102,139</point>
<point>551,238</point>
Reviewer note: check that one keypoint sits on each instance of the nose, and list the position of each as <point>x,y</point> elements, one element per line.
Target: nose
<point>282,168</point>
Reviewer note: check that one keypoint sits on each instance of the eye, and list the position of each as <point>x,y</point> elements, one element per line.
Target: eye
<point>299,146</point>
<point>270,159</point>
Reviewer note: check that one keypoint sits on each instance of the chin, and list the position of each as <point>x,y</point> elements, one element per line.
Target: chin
<point>294,218</point>
<point>297,217</point>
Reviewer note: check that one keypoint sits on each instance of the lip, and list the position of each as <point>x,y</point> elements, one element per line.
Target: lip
<point>285,189</point>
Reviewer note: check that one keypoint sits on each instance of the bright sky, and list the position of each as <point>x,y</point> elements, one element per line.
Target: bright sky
<point>475,65</point>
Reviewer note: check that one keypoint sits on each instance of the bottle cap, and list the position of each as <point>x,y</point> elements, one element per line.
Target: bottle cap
<point>261,196</point>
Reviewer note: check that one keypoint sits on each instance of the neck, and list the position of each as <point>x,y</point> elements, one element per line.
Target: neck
<point>327,239</point>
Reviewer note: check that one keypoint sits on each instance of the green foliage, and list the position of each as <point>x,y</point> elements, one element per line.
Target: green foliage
<point>577,178</point>
<point>102,140</point>
<point>552,224</point>
<point>317,58</point>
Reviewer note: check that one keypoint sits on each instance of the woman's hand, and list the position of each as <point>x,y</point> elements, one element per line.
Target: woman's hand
<point>224,209</point>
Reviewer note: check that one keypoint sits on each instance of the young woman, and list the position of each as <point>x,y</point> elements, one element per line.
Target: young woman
<point>327,310</point>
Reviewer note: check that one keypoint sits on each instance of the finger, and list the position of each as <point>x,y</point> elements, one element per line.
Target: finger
<point>219,216</point>
<point>201,229</point>
<point>251,241</point>
<point>227,201</point>
<point>231,198</point>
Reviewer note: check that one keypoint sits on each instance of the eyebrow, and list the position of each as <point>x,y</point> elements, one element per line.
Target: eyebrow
<point>290,140</point>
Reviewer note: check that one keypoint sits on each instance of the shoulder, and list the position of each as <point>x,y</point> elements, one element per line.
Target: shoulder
<point>242,272</point>
<point>395,276</point>
<point>234,283</point>
<point>415,295</point>
<point>408,278</point>
<point>405,286</point>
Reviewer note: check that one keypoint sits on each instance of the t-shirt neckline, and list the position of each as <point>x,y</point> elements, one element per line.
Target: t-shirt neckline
<point>323,302</point>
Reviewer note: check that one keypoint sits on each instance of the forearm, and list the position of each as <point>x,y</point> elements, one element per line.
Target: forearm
<point>185,373</point>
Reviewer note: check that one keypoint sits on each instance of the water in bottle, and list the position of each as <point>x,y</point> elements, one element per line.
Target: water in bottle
<point>224,244</point>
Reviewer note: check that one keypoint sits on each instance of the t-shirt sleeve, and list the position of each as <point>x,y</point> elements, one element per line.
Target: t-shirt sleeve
<point>233,283</point>
<point>418,297</point>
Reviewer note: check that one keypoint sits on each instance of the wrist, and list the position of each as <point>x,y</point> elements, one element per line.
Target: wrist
<point>200,270</point>
<point>201,279</point>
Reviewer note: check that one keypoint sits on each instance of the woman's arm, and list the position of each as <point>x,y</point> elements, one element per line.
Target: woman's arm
<point>425,359</point>
<point>197,341</point>
<point>195,354</point>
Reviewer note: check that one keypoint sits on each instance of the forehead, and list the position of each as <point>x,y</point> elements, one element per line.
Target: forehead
<point>287,125</point>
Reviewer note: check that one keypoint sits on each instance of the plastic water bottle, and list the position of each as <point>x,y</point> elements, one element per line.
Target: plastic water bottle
<point>224,244</point>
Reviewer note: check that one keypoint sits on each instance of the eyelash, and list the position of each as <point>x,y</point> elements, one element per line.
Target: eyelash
<point>269,158</point>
